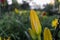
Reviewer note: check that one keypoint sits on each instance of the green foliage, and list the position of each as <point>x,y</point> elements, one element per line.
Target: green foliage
<point>15,25</point>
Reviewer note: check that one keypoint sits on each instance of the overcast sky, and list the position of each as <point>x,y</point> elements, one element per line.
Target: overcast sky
<point>41,2</point>
<point>37,1</point>
<point>33,2</point>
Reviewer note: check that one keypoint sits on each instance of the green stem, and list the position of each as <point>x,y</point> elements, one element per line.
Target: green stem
<point>39,37</point>
<point>33,39</point>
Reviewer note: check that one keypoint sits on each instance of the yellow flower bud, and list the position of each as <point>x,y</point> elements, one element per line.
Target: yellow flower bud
<point>47,34</point>
<point>35,23</point>
<point>16,10</point>
<point>0,38</point>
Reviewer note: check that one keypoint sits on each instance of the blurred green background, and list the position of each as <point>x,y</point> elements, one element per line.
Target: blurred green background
<point>15,20</point>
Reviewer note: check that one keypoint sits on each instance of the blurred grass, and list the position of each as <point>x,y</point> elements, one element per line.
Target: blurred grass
<point>15,25</point>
